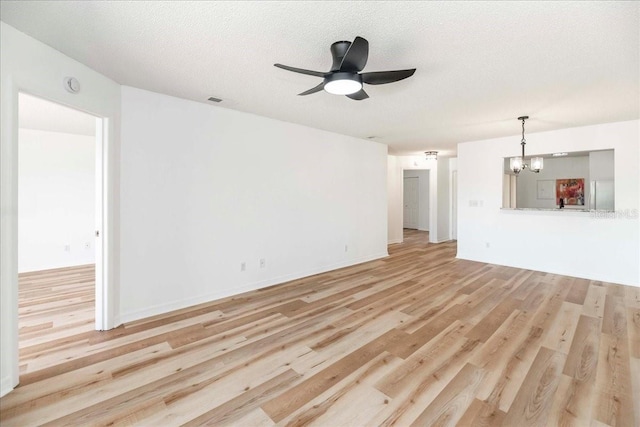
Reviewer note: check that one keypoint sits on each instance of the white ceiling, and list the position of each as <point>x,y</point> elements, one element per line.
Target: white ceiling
<point>40,114</point>
<point>480,65</point>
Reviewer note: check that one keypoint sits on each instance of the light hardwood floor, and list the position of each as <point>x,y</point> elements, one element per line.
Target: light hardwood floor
<point>54,306</point>
<point>418,338</point>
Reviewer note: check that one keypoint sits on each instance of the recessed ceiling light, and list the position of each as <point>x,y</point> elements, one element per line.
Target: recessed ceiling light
<point>559,154</point>
<point>212,99</point>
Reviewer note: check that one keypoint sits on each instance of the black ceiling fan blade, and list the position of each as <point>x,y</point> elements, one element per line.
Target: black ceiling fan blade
<point>356,57</point>
<point>300,70</point>
<point>383,77</point>
<point>359,95</point>
<point>313,90</point>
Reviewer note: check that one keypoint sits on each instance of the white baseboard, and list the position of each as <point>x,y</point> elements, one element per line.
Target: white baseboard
<point>188,302</point>
<point>116,321</point>
<point>5,385</point>
<point>58,266</point>
<point>394,241</point>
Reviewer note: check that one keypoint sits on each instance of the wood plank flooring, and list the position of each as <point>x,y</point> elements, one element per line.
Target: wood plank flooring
<point>416,339</point>
<point>55,307</point>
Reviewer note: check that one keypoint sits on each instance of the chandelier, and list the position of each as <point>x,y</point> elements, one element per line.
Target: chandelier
<point>516,164</point>
<point>431,155</point>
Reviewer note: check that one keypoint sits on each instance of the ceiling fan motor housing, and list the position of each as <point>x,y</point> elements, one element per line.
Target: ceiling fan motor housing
<point>338,51</point>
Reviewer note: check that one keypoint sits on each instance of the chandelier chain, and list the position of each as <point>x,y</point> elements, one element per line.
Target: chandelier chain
<point>523,140</point>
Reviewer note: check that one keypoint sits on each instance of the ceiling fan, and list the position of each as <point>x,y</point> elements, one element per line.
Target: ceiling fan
<point>344,77</point>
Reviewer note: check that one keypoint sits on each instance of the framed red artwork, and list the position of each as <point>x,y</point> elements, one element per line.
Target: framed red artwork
<point>571,190</point>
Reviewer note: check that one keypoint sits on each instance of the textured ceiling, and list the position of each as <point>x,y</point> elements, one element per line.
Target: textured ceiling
<point>39,114</point>
<point>480,65</point>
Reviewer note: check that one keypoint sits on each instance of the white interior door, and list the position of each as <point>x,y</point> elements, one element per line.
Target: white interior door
<point>411,201</point>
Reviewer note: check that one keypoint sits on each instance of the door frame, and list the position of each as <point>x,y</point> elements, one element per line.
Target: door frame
<point>100,211</point>
<point>100,203</point>
<point>105,313</point>
<point>102,300</point>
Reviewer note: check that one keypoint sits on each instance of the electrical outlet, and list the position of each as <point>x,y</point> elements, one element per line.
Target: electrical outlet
<point>487,244</point>
<point>346,248</point>
<point>243,266</point>
<point>263,263</point>
<point>67,248</point>
<point>87,246</point>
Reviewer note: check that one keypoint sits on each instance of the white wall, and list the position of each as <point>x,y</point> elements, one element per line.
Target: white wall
<point>56,200</point>
<point>30,66</point>
<point>206,188</point>
<point>423,196</point>
<point>580,244</point>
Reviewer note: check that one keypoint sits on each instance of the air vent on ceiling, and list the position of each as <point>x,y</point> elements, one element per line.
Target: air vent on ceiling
<point>212,99</point>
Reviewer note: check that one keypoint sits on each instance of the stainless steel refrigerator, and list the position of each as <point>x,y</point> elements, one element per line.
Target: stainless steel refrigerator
<point>601,197</point>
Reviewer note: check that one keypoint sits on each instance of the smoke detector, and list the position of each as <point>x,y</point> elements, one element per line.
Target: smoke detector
<point>71,84</point>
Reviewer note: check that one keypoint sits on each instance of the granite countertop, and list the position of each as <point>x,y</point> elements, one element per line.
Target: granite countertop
<point>548,209</point>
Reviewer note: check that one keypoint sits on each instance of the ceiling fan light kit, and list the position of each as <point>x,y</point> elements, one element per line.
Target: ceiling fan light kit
<point>342,83</point>
<point>344,78</point>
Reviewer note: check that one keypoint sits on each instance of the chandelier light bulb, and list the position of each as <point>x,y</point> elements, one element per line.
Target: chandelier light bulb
<point>515,164</point>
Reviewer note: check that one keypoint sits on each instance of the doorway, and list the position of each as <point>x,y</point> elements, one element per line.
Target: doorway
<point>60,207</point>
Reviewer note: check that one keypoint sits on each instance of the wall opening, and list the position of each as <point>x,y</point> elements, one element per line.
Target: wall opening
<point>59,212</point>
